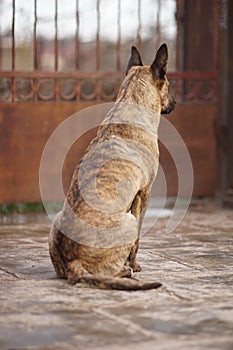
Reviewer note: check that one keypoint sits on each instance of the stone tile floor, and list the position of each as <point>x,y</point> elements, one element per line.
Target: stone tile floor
<point>192,310</point>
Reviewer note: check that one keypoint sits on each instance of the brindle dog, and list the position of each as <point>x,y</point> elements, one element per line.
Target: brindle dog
<point>94,239</point>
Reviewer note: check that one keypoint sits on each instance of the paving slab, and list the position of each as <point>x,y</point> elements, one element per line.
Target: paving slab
<point>192,310</point>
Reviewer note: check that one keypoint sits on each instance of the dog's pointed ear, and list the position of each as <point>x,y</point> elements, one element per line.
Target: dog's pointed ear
<point>159,66</point>
<point>135,59</point>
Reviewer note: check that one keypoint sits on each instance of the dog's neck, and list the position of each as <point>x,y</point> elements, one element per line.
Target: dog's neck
<point>134,89</point>
<point>133,114</point>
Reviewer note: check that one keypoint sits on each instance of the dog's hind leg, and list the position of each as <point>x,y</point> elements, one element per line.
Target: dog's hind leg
<point>75,272</point>
<point>55,253</point>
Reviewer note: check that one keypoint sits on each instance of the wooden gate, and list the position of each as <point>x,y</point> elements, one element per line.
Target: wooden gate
<point>49,75</point>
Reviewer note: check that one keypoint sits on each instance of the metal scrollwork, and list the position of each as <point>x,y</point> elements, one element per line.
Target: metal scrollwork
<point>88,90</point>
<point>5,89</point>
<point>45,89</point>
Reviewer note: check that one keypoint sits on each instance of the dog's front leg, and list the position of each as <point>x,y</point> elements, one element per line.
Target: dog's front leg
<point>138,209</point>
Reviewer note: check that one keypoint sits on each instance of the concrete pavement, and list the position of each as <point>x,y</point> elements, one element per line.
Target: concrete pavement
<point>192,310</point>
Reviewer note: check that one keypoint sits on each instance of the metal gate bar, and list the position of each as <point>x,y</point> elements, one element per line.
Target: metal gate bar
<point>202,85</point>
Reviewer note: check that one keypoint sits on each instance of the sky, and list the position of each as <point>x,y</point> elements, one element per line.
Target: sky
<point>88,18</point>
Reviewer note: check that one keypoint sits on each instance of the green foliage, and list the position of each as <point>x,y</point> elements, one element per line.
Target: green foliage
<point>21,208</point>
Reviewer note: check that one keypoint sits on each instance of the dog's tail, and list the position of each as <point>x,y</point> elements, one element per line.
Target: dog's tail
<point>117,283</point>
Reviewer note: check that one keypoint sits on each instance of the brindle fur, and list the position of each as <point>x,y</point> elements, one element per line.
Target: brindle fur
<point>103,267</point>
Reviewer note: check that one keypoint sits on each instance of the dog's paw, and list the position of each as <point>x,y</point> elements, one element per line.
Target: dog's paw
<point>127,271</point>
<point>136,267</point>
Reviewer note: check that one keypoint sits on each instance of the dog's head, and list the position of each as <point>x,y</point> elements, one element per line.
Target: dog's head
<point>158,71</point>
